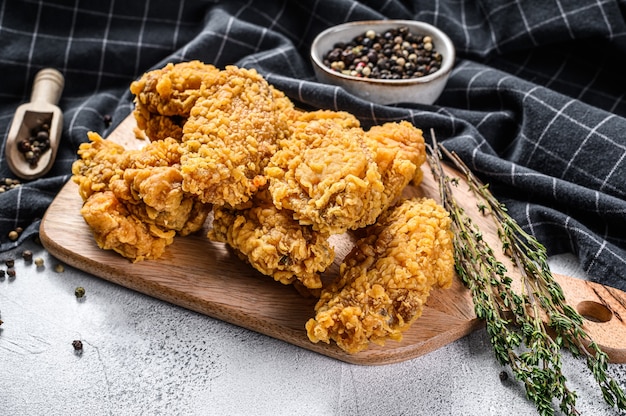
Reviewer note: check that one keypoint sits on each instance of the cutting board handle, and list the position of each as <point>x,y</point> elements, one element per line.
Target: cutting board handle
<point>604,310</point>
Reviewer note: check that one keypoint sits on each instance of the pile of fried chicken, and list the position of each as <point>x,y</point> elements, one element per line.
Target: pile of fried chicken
<point>279,182</point>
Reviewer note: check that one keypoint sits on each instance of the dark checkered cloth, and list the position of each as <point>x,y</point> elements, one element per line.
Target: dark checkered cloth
<point>535,105</point>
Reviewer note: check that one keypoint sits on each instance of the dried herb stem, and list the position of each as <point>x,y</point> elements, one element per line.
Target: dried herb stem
<point>515,321</point>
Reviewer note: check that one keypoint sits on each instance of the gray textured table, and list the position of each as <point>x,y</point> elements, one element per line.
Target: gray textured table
<point>144,356</point>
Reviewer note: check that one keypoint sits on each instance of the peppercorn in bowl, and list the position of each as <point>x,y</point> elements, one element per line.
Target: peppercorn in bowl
<point>385,61</point>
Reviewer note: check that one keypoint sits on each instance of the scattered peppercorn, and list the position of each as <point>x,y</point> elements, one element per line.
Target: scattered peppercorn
<point>79,292</point>
<point>107,119</point>
<point>504,376</point>
<point>27,255</point>
<point>394,54</point>
<point>2,273</point>
<point>77,344</point>
<point>11,272</point>
<point>39,262</point>
<point>36,144</point>
<point>59,268</point>
<point>9,262</point>
<point>6,184</point>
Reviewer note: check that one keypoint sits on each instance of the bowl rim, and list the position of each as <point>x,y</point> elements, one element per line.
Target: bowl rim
<point>446,66</point>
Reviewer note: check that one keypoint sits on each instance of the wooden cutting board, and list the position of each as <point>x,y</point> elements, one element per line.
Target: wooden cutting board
<point>208,278</point>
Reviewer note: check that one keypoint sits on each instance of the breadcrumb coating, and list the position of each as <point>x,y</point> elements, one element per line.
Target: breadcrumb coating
<point>146,186</point>
<point>325,174</point>
<point>174,89</point>
<point>399,151</point>
<point>280,182</point>
<point>386,279</point>
<point>273,242</point>
<point>229,138</point>
<point>114,228</point>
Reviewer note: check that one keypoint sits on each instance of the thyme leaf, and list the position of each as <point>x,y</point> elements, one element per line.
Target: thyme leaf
<point>514,319</point>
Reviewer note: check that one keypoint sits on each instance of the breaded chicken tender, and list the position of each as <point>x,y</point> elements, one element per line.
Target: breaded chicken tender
<point>386,279</point>
<point>399,151</point>
<point>229,138</point>
<point>325,174</point>
<point>114,228</point>
<point>174,89</point>
<point>143,185</point>
<point>99,162</point>
<point>164,97</point>
<point>273,242</point>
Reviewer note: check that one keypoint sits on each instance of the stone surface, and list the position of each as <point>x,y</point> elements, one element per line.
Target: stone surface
<point>144,356</point>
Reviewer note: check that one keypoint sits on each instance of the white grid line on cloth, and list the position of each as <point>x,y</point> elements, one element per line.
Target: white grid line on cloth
<point>589,135</point>
<point>388,2</point>
<point>531,29</point>
<point>264,32</point>
<point>618,101</point>
<point>529,95</point>
<point>466,34</point>
<point>97,14</point>
<point>556,75</point>
<point>612,171</point>
<point>274,22</point>
<point>469,85</point>
<point>605,18</point>
<point>142,29</point>
<point>373,112</point>
<point>531,224</point>
<point>556,116</point>
<point>31,49</point>
<point>103,48</point>
<point>523,67</point>
<point>594,258</point>
<point>492,31</point>
<point>179,18</point>
<point>68,46</point>
<point>565,20</point>
<point>225,38</point>
<point>350,10</point>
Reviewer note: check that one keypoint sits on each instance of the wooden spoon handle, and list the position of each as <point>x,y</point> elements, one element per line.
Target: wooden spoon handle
<point>47,86</point>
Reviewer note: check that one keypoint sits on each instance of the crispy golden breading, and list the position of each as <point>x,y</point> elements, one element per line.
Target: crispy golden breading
<point>273,242</point>
<point>146,186</point>
<point>174,89</point>
<point>399,151</point>
<point>325,173</point>
<point>98,163</point>
<point>114,228</point>
<point>386,279</point>
<point>229,137</point>
<point>158,127</point>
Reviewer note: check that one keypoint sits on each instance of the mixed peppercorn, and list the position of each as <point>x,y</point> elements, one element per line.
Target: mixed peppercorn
<point>36,144</point>
<point>393,54</point>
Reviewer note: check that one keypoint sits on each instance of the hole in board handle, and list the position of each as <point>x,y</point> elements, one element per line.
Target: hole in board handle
<point>594,311</point>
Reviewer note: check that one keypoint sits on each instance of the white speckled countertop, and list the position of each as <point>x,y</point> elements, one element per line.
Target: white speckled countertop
<point>144,356</point>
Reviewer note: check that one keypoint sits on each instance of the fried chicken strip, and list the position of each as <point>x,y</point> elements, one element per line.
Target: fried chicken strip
<point>386,279</point>
<point>230,136</point>
<point>325,173</point>
<point>115,228</point>
<point>141,191</point>
<point>399,152</point>
<point>273,242</point>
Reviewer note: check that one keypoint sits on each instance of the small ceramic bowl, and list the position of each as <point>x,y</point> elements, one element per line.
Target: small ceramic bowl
<point>422,90</point>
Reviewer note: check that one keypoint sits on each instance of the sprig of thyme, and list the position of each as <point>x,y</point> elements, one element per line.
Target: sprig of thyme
<point>513,320</point>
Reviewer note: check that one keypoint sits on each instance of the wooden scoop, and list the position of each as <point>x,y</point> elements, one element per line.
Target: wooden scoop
<point>40,113</point>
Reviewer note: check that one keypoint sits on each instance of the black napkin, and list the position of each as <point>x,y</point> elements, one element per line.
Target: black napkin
<point>535,105</point>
